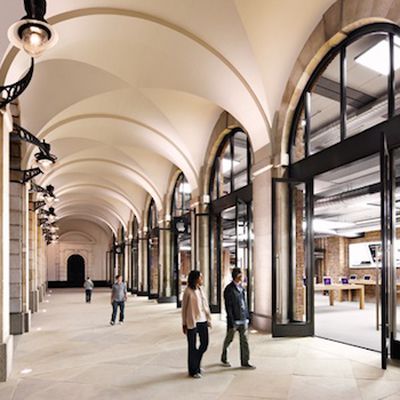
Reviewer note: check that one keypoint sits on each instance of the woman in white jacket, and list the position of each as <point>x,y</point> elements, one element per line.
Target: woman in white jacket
<point>196,319</point>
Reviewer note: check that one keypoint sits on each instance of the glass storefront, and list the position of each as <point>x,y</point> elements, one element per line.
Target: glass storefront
<point>335,213</point>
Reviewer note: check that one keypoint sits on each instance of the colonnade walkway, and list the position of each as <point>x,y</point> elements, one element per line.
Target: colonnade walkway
<point>73,353</point>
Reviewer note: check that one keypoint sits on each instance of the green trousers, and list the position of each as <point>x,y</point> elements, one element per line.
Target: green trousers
<point>244,344</point>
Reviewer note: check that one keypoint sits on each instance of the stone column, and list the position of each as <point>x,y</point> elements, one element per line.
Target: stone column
<point>17,317</point>
<point>33,292</point>
<point>143,287</point>
<point>202,244</point>
<point>25,260</point>
<point>40,258</point>
<point>166,270</point>
<point>262,226</point>
<point>6,340</point>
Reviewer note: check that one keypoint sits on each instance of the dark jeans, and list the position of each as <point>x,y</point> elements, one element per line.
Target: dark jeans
<point>115,305</point>
<point>196,354</point>
<point>88,295</point>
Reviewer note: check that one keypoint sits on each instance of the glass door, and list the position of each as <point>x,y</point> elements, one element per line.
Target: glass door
<point>292,258</point>
<point>244,248</point>
<point>394,253</point>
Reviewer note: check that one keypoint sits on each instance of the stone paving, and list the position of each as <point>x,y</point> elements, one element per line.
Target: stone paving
<point>73,353</point>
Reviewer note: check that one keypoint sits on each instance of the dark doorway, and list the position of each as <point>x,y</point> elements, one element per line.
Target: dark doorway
<point>76,271</point>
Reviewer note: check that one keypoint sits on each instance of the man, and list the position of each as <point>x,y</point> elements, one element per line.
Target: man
<point>237,319</point>
<point>88,285</point>
<point>118,298</point>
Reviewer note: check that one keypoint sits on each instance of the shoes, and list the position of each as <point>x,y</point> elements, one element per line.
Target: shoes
<point>226,363</point>
<point>112,322</point>
<point>248,366</point>
<point>121,322</point>
<point>202,370</point>
<point>197,376</point>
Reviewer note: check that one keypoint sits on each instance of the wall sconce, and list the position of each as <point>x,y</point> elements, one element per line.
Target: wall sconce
<point>47,193</point>
<point>44,157</point>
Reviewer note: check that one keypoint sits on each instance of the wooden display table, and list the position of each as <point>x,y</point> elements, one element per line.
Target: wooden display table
<point>339,287</point>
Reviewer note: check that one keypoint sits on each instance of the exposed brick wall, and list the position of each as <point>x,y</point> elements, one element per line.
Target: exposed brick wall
<point>299,307</point>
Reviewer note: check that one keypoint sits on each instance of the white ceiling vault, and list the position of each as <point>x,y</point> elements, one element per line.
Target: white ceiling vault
<point>133,89</point>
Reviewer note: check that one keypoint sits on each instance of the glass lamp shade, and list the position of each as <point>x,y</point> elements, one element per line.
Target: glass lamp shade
<point>34,40</point>
<point>32,36</point>
<point>44,162</point>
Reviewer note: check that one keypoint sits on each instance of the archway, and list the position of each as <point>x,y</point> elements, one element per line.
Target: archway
<point>75,271</point>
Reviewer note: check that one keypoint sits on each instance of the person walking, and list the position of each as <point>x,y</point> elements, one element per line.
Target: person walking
<point>88,285</point>
<point>196,319</point>
<point>237,319</point>
<point>118,298</point>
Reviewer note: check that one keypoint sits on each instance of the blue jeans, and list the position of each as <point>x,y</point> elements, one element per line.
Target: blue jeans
<point>115,305</point>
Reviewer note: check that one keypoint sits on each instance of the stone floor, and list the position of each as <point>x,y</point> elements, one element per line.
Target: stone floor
<point>72,353</point>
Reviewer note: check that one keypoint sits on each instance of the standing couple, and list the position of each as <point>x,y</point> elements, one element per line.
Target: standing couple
<point>196,319</point>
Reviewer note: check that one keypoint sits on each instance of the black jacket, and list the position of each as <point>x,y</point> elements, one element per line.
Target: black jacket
<point>235,304</point>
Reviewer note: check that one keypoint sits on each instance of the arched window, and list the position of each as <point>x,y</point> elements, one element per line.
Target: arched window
<point>182,243</point>
<point>231,168</point>
<point>231,216</point>
<point>181,197</point>
<point>352,89</point>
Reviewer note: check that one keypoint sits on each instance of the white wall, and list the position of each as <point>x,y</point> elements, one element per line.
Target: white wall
<point>79,237</point>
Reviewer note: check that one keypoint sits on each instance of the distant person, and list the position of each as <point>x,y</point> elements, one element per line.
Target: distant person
<point>237,314</point>
<point>196,319</point>
<point>88,285</point>
<point>118,298</point>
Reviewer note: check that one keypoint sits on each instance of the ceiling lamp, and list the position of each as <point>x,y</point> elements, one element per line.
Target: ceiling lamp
<point>32,33</point>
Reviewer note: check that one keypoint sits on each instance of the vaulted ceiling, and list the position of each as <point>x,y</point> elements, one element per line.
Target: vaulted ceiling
<point>133,89</point>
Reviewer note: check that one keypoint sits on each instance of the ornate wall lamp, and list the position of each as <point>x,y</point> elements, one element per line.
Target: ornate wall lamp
<point>33,35</point>
<point>44,158</point>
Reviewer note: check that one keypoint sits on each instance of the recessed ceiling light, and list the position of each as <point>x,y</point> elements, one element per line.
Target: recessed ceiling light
<point>376,57</point>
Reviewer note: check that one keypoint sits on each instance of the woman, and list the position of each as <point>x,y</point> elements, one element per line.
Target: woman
<point>196,319</point>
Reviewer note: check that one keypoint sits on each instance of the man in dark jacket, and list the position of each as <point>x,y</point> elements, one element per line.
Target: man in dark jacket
<point>237,315</point>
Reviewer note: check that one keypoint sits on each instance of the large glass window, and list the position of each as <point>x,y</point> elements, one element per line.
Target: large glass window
<point>153,252</point>
<point>353,89</point>
<point>231,169</point>
<point>182,255</point>
<point>230,217</point>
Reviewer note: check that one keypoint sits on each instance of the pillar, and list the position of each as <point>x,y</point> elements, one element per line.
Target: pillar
<point>202,243</point>
<point>17,314</point>
<point>6,340</point>
<point>166,270</point>
<point>25,260</point>
<point>33,292</point>
<point>143,250</point>
<point>262,257</point>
